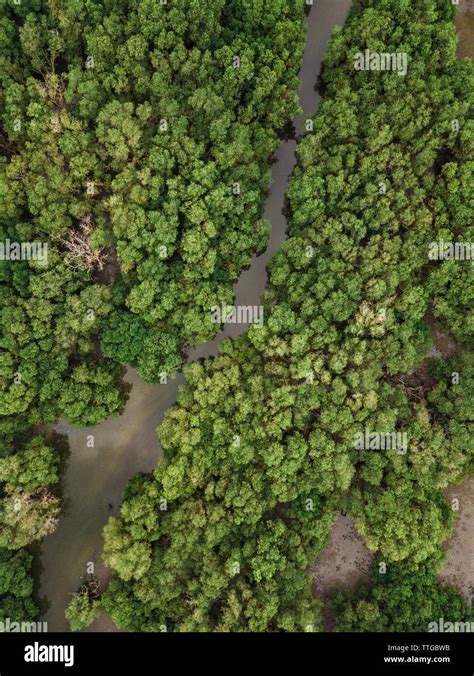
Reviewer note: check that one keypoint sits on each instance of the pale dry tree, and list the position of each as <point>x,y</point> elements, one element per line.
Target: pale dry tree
<point>52,91</point>
<point>30,516</point>
<point>91,585</point>
<point>79,253</point>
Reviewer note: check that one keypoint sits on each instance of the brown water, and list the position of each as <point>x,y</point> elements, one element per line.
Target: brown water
<point>94,478</point>
<point>128,444</point>
<point>324,16</point>
<point>465,29</point>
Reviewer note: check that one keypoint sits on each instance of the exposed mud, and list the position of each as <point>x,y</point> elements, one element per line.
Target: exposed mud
<point>344,562</point>
<point>458,569</point>
<point>465,29</point>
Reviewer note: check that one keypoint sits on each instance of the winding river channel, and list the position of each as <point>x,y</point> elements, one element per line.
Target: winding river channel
<point>95,477</point>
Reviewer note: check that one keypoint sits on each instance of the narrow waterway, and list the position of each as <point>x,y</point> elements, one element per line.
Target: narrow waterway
<point>324,16</point>
<point>122,446</point>
<point>125,445</point>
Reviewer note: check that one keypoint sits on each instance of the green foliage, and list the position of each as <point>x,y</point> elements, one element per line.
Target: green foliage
<point>28,512</point>
<point>82,610</point>
<point>25,517</point>
<point>138,149</point>
<point>159,141</point>
<point>250,579</point>
<point>142,159</point>
<point>451,399</point>
<point>405,598</point>
<point>160,357</point>
<point>123,335</point>
<point>16,586</point>
<point>31,468</point>
<point>260,449</point>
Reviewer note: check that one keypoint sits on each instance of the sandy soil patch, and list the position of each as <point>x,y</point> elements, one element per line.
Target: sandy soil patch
<point>344,562</point>
<point>459,567</point>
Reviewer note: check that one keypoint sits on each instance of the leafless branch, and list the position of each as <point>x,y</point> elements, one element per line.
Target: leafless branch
<point>80,254</point>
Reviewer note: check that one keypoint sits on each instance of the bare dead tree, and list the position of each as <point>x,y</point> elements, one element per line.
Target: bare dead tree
<point>79,253</point>
<point>90,588</point>
<point>52,91</point>
<point>418,392</point>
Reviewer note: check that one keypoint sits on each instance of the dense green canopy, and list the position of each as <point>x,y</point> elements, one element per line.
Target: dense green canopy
<point>405,598</point>
<point>135,149</point>
<point>136,142</point>
<point>260,450</point>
